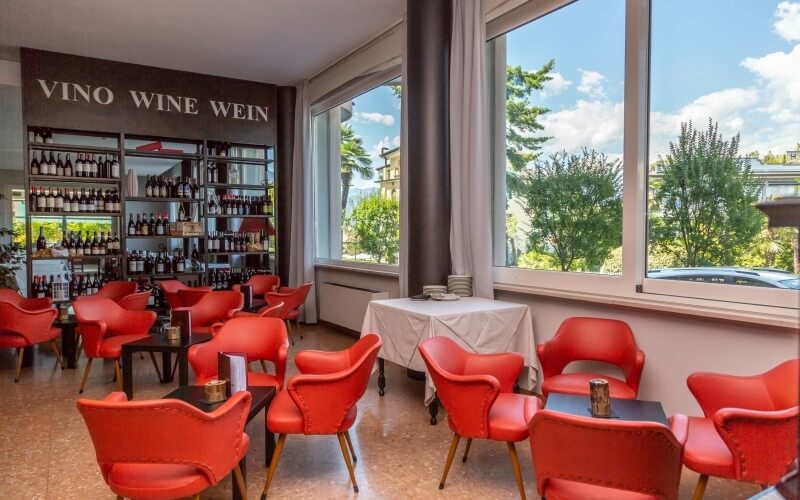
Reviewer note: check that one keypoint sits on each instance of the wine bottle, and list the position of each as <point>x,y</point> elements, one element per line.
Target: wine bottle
<point>115,168</point>
<point>59,166</point>
<point>41,242</point>
<point>34,165</point>
<point>59,201</point>
<point>68,167</point>
<point>79,166</point>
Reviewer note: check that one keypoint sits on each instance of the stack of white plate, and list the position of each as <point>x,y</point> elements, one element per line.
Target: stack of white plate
<point>434,289</point>
<point>460,284</point>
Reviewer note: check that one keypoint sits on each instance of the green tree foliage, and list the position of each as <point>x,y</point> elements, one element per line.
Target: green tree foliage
<point>772,247</point>
<point>355,160</point>
<point>705,214</point>
<point>375,225</point>
<point>575,206</point>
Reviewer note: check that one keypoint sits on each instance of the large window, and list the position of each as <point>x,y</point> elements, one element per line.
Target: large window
<point>558,92</point>
<point>357,177</point>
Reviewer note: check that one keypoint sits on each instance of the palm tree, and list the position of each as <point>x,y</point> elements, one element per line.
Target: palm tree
<point>354,160</point>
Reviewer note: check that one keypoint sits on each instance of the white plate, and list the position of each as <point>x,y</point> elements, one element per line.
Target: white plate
<point>445,296</point>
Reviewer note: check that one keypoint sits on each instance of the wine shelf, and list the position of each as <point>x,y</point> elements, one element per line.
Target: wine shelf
<point>75,214</point>
<point>224,216</point>
<point>264,252</point>
<point>168,156</point>
<point>75,258</point>
<point>164,275</point>
<point>161,236</point>
<point>91,180</point>
<point>163,200</point>
<point>69,148</point>
<point>239,160</point>
<point>216,185</point>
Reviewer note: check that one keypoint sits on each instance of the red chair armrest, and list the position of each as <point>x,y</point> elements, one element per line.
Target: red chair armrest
<point>93,333</point>
<point>468,399</point>
<point>679,425</point>
<point>505,367</point>
<point>633,374</point>
<point>321,362</point>
<point>280,365</point>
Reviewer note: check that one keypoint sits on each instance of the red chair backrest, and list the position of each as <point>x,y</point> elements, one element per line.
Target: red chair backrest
<point>191,296</point>
<point>291,300</point>
<point>271,311</point>
<point>119,321</point>
<point>135,301</point>
<point>216,306</point>
<point>261,283</point>
<point>116,290</point>
<point>32,325</point>
<point>644,457</point>
<point>170,289</point>
<point>13,297</point>
<point>166,431</point>
<point>260,338</point>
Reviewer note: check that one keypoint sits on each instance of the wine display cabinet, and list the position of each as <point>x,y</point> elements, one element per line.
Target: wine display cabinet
<point>111,206</point>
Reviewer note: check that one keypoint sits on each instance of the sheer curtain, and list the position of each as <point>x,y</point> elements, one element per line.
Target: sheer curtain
<point>470,176</point>
<point>301,243</point>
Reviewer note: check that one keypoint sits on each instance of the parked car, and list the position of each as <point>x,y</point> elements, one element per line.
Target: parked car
<point>771,278</point>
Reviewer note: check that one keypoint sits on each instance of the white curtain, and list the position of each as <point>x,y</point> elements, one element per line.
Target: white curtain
<point>470,181</point>
<point>301,243</point>
<point>403,264</point>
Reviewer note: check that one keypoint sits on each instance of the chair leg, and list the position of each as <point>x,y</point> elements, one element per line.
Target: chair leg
<point>118,373</point>
<point>78,347</point>
<point>299,330</point>
<point>350,445</point>
<point>450,455</point>
<point>155,365</point>
<point>120,497</point>
<point>700,489</point>
<point>466,450</point>
<point>346,456</point>
<point>274,464</point>
<point>237,473</point>
<point>289,331</point>
<point>20,353</point>
<point>196,497</point>
<point>512,452</point>
<point>86,374</point>
<point>264,366</point>
<point>54,345</point>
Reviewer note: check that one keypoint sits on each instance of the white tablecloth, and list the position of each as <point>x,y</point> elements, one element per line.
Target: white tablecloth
<point>478,325</point>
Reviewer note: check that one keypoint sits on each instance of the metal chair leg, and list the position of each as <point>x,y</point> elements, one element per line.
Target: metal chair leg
<point>299,330</point>
<point>466,450</point>
<point>700,489</point>
<point>86,374</point>
<point>54,345</point>
<point>118,373</point>
<point>264,366</point>
<point>289,331</point>
<point>512,452</point>
<point>350,445</point>
<point>274,464</point>
<point>450,455</point>
<point>20,353</point>
<point>346,456</point>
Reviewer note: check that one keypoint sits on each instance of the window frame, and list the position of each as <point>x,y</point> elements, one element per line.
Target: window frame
<point>632,286</point>
<point>332,218</point>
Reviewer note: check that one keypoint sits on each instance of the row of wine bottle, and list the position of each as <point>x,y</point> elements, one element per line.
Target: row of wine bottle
<point>157,225</point>
<point>170,187</point>
<point>230,204</point>
<point>104,244</point>
<point>141,262</point>
<point>83,284</point>
<point>233,241</point>
<point>51,199</point>
<point>104,168</point>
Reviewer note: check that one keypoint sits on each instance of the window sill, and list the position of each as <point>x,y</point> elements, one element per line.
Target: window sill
<point>776,317</point>
<point>357,267</point>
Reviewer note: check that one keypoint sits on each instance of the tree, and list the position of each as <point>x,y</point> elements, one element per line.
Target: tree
<point>375,224</point>
<point>706,198</point>
<point>354,159</point>
<point>575,206</point>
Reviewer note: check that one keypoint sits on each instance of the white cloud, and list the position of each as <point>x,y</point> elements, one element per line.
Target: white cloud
<point>787,25</point>
<point>591,124</point>
<point>779,74</point>
<point>592,84</point>
<point>555,85</point>
<point>387,143</point>
<point>381,118</point>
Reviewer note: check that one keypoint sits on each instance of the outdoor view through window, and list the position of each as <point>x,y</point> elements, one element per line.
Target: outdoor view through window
<point>724,134</point>
<point>357,182</point>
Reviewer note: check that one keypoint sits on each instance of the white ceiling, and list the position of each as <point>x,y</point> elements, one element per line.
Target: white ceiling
<point>273,41</point>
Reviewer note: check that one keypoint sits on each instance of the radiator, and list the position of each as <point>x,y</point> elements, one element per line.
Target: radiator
<point>345,305</point>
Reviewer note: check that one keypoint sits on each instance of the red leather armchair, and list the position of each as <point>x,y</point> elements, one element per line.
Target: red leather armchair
<point>477,392</point>
<point>214,307</point>
<point>135,301</point>
<point>114,290</point>
<point>104,326</point>
<point>591,339</point>
<point>322,400</point>
<point>750,428</point>
<point>265,312</point>
<point>261,338</point>
<point>584,457</point>
<point>25,323</point>
<point>171,289</point>
<point>293,299</point>
<point>261,283</point>
<point>169,449</point>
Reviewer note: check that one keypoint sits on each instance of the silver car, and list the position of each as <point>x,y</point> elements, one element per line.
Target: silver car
<point>771,278</point>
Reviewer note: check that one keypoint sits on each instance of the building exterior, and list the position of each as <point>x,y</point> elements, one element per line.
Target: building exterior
<point>389,174</point>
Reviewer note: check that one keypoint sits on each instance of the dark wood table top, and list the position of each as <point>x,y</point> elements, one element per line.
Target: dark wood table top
<point>635,410</point>
<point>255,306</point>
<point>195,395</point>
<point>159,342</point>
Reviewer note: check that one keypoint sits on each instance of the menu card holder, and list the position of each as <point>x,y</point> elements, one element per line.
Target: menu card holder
<point>182,319</point>
<point>247,291</point>
<point>232,367</point>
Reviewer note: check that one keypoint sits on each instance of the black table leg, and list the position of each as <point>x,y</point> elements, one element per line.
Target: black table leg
<point>243,468</point>
<point>27,357</point>
<point>183,368</point>
<point>269,447</point>
<point>127,371</point>
<point>433,409</point>
<point>381,377</point>
<point>166,367</point>
<point>68,345</point>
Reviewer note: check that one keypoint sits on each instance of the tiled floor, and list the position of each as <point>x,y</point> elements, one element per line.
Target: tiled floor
<point>46,451</point>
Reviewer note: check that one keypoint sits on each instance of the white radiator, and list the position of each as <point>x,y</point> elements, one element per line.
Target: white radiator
<point>345,305</point>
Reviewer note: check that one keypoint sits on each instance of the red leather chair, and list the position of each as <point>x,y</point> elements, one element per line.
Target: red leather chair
<point>171,288</point>
<point>264,312</point>
<point>214,307</point>
<point>477,392</point>
<point>261,283</point>
<point>114,290</point>
<point>191,296</point>
<point>165,448</point>
<point>749,432</point>
<point>261,338</point>
<point>322,400</point>
<point>135,301</point>
<point>293,299</point>
<point>591,339</point>
<point>21,327</point>
<point>105,326</point>
<point>583,457</point>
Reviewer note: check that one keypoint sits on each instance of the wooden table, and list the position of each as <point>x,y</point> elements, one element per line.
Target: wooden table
<point>158,343</point>
<point>261,398</point>
<point>635,410</point>
<point>255,306</point>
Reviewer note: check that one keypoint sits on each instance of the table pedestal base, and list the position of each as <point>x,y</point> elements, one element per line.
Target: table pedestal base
<point>381,377</point>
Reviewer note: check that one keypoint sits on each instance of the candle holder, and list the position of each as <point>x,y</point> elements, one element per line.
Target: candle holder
<point>173,333</point>
<point>598,392</point>
<point>215,391</point>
